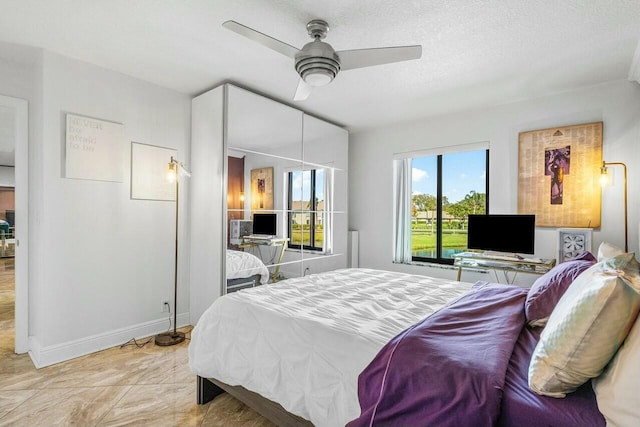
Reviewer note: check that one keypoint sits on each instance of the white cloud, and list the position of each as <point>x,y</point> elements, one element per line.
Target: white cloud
<point>483,175</point>
<point>301,185</point>
<point>418,174</point>
<point>463,176</point>
<point>416,193</point>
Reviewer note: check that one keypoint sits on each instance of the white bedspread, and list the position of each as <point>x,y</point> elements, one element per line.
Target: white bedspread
<point>303,342</point>
<point>243,264</point>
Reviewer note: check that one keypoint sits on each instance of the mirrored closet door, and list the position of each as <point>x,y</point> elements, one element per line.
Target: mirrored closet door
<point>286,192</point>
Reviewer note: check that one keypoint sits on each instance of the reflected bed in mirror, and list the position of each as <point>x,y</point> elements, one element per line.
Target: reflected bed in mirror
<point>245,271</point>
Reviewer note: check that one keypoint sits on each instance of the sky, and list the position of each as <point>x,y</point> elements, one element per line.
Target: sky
<point>302,185</point>
<point>462,173</point>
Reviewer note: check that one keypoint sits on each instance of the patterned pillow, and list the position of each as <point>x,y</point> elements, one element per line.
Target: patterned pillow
<point>549,288</point>
<point>587,326</point>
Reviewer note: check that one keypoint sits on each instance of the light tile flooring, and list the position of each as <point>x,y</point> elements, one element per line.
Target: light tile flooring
<point>149,386</point>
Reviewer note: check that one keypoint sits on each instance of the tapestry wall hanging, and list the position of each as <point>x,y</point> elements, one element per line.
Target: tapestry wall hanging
<point>262,189</point>
<point>558,172</point>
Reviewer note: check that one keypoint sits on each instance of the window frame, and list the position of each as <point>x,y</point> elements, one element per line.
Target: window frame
<point>439,207</point>
<point>313,212</point>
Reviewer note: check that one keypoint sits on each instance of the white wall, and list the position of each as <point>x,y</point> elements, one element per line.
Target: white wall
<point>617,104</point>
<point>7,176</point>
<point>104,261</point>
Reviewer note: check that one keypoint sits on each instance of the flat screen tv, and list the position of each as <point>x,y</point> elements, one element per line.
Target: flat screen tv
<point>264,223</point>
<point>502,233</point>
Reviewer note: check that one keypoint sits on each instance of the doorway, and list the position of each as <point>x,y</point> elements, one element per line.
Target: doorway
<point>14,130</point>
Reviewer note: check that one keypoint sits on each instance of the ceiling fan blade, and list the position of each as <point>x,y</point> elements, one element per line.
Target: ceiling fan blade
<point>359,58</point>
<point>303,91</point>
<point>261,38</point>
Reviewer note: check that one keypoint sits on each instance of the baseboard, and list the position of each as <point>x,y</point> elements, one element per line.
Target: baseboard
<point>45,356</point>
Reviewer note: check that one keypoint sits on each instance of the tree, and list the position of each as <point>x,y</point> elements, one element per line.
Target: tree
<point>457,210</point>
<point>475,202</point>
<point>425,202</point>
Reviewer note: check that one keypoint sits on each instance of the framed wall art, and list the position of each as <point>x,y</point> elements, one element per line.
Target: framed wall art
<point>149,165</point>
<point>262,189</point>
<point>572,242</point>
<point>558,171</point>
<point>94,149</point>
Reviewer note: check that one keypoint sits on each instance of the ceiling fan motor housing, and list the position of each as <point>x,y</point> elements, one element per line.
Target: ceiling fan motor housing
<point>317,63</point>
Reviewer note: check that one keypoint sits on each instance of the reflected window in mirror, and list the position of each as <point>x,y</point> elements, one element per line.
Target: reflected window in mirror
<point>307,220</point>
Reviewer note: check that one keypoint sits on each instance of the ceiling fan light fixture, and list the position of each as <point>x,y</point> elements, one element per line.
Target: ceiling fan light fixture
<point>318,77</point>
<point>317,71</point>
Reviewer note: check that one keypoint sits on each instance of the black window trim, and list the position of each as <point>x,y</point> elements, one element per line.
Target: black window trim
<point>312,213</point>
<point>439,259</point>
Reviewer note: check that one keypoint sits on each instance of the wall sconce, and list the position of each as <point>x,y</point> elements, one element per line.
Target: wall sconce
<point>241,197</point>
<point>604,181</point>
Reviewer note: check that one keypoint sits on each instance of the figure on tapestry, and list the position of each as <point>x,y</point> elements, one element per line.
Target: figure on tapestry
<point>557,162</point>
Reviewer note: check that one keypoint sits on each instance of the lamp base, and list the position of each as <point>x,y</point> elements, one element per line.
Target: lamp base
<point>169,338</point>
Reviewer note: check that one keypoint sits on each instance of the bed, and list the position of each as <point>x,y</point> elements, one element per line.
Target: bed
<point>244,270</point>
<point>313,334</point>
<point>317,351</point>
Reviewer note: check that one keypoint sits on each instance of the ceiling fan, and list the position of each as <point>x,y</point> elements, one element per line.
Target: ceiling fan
<point>317,62</point>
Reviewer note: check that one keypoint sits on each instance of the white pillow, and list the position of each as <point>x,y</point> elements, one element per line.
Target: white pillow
<point>618,388</point>
<point>586,327</point>
<point>607,250</point>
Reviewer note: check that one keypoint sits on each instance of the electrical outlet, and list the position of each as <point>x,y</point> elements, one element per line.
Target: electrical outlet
<point>166,308</point>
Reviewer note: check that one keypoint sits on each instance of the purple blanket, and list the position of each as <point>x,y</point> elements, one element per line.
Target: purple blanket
<point>521,407</point>
<point>449,369</point>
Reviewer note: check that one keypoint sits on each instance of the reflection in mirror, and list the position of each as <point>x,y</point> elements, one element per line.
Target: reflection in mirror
<point>325,155</point>
<point>273,173</point>
<point>262,126</point>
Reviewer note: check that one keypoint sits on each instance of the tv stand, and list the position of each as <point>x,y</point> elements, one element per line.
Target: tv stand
<point>502,255</point>
<point>497,261</point>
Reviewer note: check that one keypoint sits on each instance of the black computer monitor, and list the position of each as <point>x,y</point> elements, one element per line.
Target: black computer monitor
<point>502,233</point>
<point>264,223</point>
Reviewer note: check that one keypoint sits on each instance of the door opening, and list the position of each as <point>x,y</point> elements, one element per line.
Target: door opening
<point>14,130</point>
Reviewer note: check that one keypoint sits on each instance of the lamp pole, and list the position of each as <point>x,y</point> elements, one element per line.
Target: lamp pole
<point>173,337</point>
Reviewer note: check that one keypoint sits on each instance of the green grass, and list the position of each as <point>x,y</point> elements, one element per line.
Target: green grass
<point>298,237</point>
<point>423,239</point>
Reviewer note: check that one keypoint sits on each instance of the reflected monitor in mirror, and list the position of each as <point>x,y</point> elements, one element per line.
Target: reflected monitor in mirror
<point>264,224</point>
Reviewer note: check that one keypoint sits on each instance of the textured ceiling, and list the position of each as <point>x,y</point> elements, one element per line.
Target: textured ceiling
<point>476,53</point>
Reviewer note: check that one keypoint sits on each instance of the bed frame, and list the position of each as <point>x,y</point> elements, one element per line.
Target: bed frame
<point>243,283</point>
<point>209,388</point>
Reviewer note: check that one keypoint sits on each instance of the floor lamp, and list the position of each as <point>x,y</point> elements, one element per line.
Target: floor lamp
<point>604,181</point>
<point>176,169</point>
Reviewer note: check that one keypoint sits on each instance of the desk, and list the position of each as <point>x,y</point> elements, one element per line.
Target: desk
<point>252,243</point>
<point>505,264</point>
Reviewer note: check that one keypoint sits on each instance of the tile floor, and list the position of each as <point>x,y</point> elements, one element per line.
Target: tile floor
<point>130,386</point>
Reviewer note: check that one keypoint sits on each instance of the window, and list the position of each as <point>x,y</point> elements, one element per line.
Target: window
<point>442,191</point>
<point>306,208</point>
